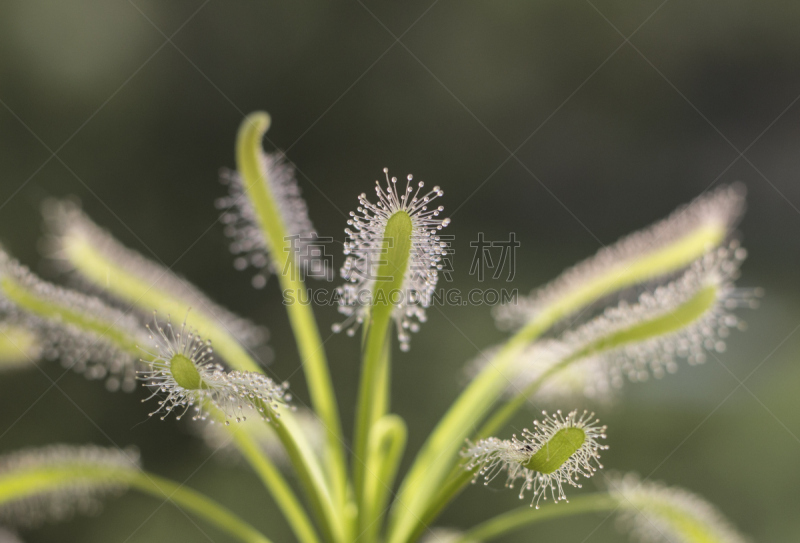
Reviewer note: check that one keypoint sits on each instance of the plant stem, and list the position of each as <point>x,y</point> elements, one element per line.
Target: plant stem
<point>459,477</point>
<point>310,475</point>
<point>277,486</point>
<point>309,343</point>
<point>368,392</point>
<point>198,504</point>
<point>28,482</point>
<point>387,442</point>
<point>383,387</point>
<point>509,409</point>
<point>525,516</point>
<point>434,461</point>
<point>373,394</point>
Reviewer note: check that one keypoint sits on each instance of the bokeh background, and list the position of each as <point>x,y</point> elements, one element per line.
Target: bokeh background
<point>569,123</point>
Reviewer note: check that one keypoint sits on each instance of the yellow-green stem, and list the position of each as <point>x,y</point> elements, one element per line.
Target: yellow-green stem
<point>459,477</point>
<point>387,443</point>
<point>22,483</point>
<point>376,358</point>
<point>200,505</point>
<point>310,475</point>
<point>271,476</point>
<point>278,487</point>
<point>434,461</point>
<point>309,343</point>
<point>526,516</point>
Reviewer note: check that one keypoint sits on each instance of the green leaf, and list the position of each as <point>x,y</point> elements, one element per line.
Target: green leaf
<point>126,276</point>
<point>666,247</point>
<point>53,308</point>
<point>387,443</point>
<point>558,450</point>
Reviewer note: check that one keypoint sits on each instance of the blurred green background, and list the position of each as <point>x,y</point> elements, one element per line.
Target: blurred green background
<point>132,106</point>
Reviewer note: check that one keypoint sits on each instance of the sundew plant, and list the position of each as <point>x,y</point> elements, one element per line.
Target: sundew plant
<point>637,309</point>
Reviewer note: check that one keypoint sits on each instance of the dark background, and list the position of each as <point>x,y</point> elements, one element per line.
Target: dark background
<point>133,107</point>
